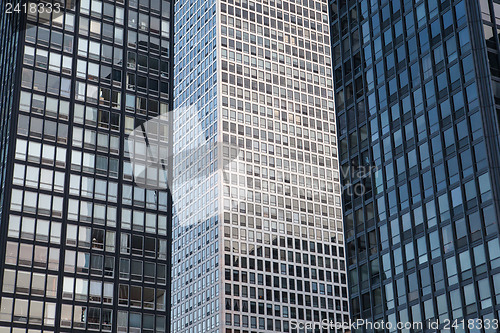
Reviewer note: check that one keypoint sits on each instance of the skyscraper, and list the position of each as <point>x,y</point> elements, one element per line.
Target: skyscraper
<point>416,100</point>
<point>257,229</point>
<point>83,245</point>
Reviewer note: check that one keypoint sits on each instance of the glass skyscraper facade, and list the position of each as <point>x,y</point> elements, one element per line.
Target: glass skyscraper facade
<point>257,225</point>
<point>83,246</point>
<point>416,91</point>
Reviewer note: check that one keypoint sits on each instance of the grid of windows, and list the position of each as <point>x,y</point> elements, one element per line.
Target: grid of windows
<point>9,39</point>
<point>87,247</point>
<point>195,227</point>
<point>276,107</point>
<point>421,238</point>
<point>277,230</point>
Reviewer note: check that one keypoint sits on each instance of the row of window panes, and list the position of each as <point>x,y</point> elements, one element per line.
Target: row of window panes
<point>53,39</point>
<point>46,106</point>
<point>137,322</point>
<point>92,117</point>
<point>264,31</point>
<point>36,284</point>
<point>77,317</point>
<point>101,189</point>
<point>275,51</point>
<point>250,182</point>
<point>16,310</point>
<point>92,212</point>
<point>248,119</point>
<point>34,229</point>
<point>40,128</point>
<point>135,244</point>
<point>143,106</point>
<point>279,150</point>
<point>84,263</point>
<point>269,77</point>
<point>148,23</point>
<point>91,163</point>
<point>81,318</point>
<point>282,310</point>
<point>313,96</point>
<point>138,270</point>
<point>310,232</point>
<point>42,204</point>
<point>22,254</point>
<point>64,20</point>
<point>284,56</point>
<point>51,84</point>
<point>47,60</point>
<point>91,139</point>
<point>90,238</point>
<point>101,214</point>
<point>268,159</point>
<point>38,178</point>
<point>266,65</point>
<point>148,43</point>
<point>278,201</point>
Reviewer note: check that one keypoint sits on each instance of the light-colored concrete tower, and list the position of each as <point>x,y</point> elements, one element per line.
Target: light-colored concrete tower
<point>257,229</point>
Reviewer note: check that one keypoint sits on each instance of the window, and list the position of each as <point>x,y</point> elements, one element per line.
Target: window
<point>160,299</point>
<point>123,294</point>
<point>38,284</point>
<point>98,239</point>
<point>79,316</point>
<point>96,264</point>
<point>51,289</point>
<point>109,266</point>
<point>108,293</point>
<point>81,289</point>
<point>36,312</point>
<point>83,262</point>
<point>124,268</point>
<point>25,254</point>
<point>20,311</point>
<point>66,315</point>
<point>135,296</point>
<point>136,270</point>
<point>95,294</point>
<point>68,288</point>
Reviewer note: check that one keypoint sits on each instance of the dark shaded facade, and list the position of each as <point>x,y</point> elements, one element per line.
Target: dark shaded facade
<point>83,246</point>
<point>416,102</point>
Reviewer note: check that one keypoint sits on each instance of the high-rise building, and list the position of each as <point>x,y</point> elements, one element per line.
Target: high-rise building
<point>257,228</point>
<point>83,245</point>
<point>416,95</point>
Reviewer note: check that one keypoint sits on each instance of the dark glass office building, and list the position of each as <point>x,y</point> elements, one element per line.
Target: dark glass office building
<point>83,245</point>
<point>417,100</point>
